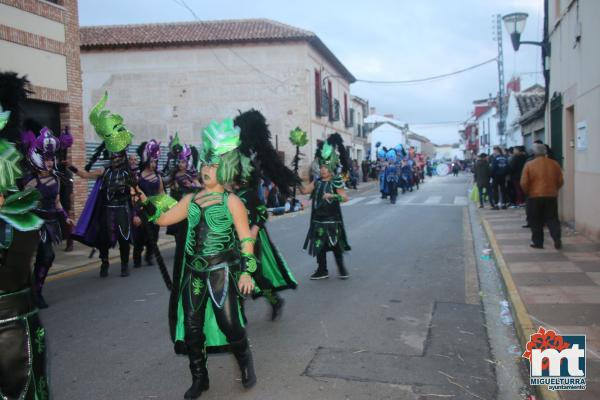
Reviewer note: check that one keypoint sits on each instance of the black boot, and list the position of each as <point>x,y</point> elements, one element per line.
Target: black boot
<point>137,257</point>
<point>149,261</point>
<point>321,272</point>
<point>104,268</point>
<point>199,376</point>
<point>124,270</point>
<point>343,273</point>
<point>39,300</point>
<point>277,308</point>
<point>243,355</point>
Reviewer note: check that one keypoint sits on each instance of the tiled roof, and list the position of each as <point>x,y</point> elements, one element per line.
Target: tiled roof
<point>203,33</point>
<point>528,102</point>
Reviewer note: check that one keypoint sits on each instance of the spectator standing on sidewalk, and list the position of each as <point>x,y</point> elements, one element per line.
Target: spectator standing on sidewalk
<point>541,180</point>
<point>499,173</point>
<point>365,166</point>
<point>483,174</point>
<point>517,163</point>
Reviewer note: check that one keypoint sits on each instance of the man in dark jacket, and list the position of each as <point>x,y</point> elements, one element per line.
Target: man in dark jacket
<point>516,164</point>
<point>499,173</point>
<point>483,173</point>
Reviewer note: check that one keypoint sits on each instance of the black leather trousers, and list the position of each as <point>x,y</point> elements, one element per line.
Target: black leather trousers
<point>195,297</point>
<point>22,348</point>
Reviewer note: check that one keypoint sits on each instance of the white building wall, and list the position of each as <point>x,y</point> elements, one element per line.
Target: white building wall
<point>488,130</point>
<point>161,91</point>
<point>389,136</point>
<point>514,136</point>
<point>574,73</point>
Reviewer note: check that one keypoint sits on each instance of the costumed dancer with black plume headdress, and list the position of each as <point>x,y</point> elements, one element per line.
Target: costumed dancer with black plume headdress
<point>218,260</point>
<point>41,154</point>
<point>22,336</point>
<point>273,273</point>
<point>151,183</point>
<point>326,231</point>
<point>181,177</point>
<point>107,217</point>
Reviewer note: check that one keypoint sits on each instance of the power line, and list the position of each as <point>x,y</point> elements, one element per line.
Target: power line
<point>431,78</point>
<point>183,4</point>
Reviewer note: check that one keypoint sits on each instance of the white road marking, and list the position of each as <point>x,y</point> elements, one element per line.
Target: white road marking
<point>433,200</point>
<point>376,200</point>
<point>460,200</point>
<point>353,201</point>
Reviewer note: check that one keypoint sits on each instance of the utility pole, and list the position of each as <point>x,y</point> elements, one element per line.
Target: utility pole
<point>501,113</point>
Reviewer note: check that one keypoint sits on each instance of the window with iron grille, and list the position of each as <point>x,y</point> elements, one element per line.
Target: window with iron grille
<point>335,114</point>
<point>350,120</point>
<point>324,110</point>
<point>318,94</point>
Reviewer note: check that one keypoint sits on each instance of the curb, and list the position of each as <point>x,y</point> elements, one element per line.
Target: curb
<point>90,265</point>
<point>523,324</point>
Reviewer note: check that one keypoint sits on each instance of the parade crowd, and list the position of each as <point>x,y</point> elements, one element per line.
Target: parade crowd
<point>215,202</point>
<point>514,178</point>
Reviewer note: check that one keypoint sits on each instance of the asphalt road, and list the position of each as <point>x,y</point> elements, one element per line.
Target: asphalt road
<point>408,324</point>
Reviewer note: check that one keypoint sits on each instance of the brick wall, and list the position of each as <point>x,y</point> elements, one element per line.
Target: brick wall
<point>71,112</point>
<point>66,13</point>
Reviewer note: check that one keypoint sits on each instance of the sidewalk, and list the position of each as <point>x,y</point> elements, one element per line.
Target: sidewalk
<point>79,257</point>
<point>556,289</point>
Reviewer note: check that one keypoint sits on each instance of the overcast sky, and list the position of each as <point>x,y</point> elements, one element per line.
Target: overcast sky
<point>381,40</point>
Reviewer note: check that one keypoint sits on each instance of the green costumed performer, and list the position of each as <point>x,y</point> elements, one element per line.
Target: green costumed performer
<point>326,231</point>
<point>273,274</point>
<point>22,336</point>
<point>107,217</point>
<point>218,260</point>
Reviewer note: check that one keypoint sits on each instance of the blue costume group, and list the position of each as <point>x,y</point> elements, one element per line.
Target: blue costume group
<point>395,171</point>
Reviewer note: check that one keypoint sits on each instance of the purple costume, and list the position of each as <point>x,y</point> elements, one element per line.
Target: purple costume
<point>150,185</point>
<point>50,232</point>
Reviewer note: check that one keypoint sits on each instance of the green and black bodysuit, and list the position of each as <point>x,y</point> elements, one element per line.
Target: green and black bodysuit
<point>208,307</point>
<point>326,231</point>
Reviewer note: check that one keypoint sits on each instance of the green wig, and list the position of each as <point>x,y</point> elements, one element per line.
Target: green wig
<point>220,144</point>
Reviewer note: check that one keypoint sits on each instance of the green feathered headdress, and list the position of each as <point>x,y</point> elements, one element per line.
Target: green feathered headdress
<point>4,115</point>
<point>332,153</point>
<point>220,142</point>
<point>174,143</point>
<point>329,157</point>
<point>10,171</point>
<point>110,127</point>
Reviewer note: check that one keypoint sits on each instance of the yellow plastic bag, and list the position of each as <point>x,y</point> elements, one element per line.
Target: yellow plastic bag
<point>475,194</point>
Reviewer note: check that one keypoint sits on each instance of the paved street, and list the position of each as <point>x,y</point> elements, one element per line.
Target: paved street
<point>409,324</point>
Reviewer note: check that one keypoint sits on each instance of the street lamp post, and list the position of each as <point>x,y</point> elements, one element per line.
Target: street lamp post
<point>515,24</point>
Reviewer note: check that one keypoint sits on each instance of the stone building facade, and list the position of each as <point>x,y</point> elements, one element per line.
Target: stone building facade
<point>177,77</point>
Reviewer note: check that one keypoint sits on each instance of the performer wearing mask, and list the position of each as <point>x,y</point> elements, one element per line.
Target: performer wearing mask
<point>391,175</point>
<point>41,154</point>
<point>22,336</point>
<point>218,260</point>
<point>326,231</point>
<point>151,183</point>
<point>181,176</point>
<point>273,274</point>
<point>107,217</point>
